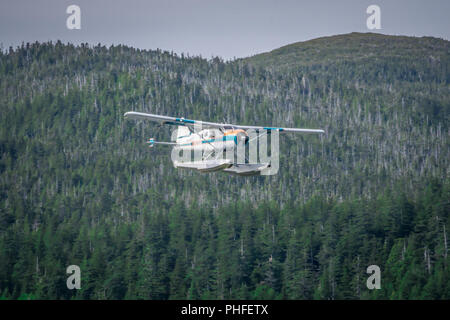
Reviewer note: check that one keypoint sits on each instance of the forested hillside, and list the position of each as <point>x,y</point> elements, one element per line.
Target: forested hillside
<point>79,185</point>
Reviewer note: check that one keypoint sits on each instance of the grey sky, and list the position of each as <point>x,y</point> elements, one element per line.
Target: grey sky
<point>227,28</point>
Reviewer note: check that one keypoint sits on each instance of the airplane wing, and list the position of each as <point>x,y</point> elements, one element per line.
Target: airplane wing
<point>204,124</point>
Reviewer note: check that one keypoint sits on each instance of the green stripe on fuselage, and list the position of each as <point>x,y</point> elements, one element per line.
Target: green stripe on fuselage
<point>224,138</point>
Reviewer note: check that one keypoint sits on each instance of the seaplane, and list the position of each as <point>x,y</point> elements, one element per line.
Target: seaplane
<point>211,140</point>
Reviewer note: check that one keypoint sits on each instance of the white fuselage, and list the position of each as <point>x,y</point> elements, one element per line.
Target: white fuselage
<point>210,140</point>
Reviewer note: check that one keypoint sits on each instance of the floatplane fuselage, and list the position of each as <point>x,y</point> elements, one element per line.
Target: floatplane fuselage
<point>210,141</point>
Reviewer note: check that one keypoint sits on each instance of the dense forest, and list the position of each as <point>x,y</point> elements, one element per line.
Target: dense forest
<point>79,186</point>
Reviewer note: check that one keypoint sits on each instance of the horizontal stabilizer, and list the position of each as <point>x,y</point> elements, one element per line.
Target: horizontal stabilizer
<point>152,142</point>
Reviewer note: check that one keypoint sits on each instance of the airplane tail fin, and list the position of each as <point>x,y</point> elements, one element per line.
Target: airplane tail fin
<point>182,132</point>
